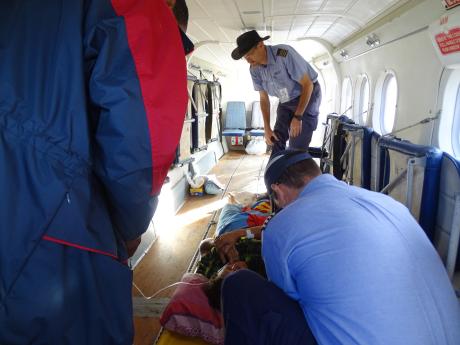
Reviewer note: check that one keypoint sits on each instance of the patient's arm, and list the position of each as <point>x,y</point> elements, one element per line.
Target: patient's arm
<point>225,242</point>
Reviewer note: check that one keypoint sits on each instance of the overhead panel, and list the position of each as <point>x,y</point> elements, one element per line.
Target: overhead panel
<point>196,31</point>
<point>223,13</point>
<point>285,7</point>
<point>280,29</point>
<point>248,5</point>
<point>286,21</point>
<point>337,6</point>
<point>195,10</point>
<point>306,6</point>
<point>282,24</point>
<point>369,9</point>
<point>339,30</point>
<point>300,26</point>
<point>321,25</point>
<point>253,20</point>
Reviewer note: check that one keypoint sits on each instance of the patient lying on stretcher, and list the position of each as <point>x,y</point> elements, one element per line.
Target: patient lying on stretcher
<point>245,253</point>
<point>233,249</point>
<point>237,244</point>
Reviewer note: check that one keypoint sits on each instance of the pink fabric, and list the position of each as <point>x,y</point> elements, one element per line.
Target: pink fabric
<point>189,313</point>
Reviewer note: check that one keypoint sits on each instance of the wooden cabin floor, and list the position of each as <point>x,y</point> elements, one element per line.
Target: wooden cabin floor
<point>171,254</point>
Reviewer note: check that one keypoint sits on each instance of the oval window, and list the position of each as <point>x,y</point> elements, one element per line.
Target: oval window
<point>388,103</point>
<point>456,126</point>
<point>362,101</point>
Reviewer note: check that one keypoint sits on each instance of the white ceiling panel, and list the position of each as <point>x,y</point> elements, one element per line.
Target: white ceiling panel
<point>300,26</point>
<point>337,6</point>
<point>317,30</point>
<point>310,6</point>
<point>369,9</point>
<point>279,36</point>
<point>283,7</point>
<point>248,5</point>
<point>253,20</point>
<point>285,20</point>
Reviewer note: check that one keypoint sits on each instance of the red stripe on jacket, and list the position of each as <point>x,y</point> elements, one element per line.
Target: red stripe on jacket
<point>156,47</point>
<point>74,245</point>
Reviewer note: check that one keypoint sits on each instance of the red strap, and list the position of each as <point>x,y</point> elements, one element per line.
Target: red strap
<point>69,244</point>
<point>156,46</point>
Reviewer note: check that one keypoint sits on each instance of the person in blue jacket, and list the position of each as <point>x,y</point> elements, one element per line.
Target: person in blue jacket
<point>351,265</point>
<point>92,101</point>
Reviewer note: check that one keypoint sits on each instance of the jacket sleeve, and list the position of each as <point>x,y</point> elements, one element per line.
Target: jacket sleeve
<point>138,91</point>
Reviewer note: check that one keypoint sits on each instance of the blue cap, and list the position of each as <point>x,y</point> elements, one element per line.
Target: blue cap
<point>279,162</point>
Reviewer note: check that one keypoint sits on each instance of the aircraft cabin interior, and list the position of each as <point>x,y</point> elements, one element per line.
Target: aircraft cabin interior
<point>389,121</point>
<point>317,172</point>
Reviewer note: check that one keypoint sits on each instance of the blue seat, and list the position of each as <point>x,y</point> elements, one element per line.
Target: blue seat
<point>415,170</point>
<point>235,120</point>
<point>358,154</point>
<point>446,236</point>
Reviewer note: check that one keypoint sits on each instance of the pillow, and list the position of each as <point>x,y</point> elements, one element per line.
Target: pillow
<point>189,313</point>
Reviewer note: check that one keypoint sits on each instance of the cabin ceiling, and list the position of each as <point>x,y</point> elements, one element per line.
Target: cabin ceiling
<point>286,21</point>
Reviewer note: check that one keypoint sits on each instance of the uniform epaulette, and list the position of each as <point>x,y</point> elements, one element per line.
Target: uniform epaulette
<point>282,52</point>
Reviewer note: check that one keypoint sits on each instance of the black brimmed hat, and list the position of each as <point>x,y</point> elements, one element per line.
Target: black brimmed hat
<point>279,162</point>
<point>246,42</point>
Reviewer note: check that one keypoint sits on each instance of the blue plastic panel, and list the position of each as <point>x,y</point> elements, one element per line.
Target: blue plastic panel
<point>257,132</point>
<point>233,133</point>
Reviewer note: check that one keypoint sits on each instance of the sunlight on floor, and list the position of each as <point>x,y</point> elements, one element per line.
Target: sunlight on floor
<point>199,213</point>
<point>167,223</point>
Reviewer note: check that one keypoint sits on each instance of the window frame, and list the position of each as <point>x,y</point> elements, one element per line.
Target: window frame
<point>358,114</point>
<point>343,107</point>
<point>455,132</point>
<point>378,116</point>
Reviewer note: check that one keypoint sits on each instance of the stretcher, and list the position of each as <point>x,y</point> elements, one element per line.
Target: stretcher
<point>184,150</point>
<point>356,158</point>
<point>214,97</point>
<point>199,115</point>
<point>410,174</point>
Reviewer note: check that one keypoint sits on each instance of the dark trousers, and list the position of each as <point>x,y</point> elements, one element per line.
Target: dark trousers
<point>284,117</point>
<point>256,312</point>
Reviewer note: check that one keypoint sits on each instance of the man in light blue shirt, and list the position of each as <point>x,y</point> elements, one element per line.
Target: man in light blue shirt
<point>281,72</point>
<point>360,267</point>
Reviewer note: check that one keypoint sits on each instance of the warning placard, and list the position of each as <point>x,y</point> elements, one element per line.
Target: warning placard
<point>449,42</point>
<point>448,4</point>
<point>445,36</point>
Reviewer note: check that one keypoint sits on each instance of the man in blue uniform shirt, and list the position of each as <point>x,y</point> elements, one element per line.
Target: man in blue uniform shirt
<point>358,264</point>
<point>281,72</point>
